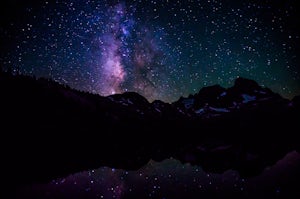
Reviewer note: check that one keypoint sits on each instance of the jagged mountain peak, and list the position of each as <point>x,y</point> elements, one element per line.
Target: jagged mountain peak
<point>134,130</point>
<point>211,89</point>
<point>244,83</point>
<point>131,97</point>
<point>215,100</point>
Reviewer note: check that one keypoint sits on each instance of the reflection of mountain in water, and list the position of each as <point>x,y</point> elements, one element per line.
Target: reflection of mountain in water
<point>244,128</point>
<point>172,179</point>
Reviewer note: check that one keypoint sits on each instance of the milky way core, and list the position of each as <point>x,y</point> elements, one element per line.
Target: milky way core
<point>160,49</point>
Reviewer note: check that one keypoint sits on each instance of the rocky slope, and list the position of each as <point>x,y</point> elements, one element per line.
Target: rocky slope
<point>50,130</point>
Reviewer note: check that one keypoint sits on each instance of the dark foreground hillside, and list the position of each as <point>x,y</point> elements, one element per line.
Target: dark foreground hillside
<point>50,131</point>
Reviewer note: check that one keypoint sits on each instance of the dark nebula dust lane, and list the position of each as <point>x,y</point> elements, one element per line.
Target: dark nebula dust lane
<point>160,49</point>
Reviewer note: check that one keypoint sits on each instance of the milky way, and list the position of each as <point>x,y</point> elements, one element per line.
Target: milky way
<point>111,71</point>
<point>160,49</point>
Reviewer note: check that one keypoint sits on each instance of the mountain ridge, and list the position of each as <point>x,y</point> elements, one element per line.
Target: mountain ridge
<point>219,128</point>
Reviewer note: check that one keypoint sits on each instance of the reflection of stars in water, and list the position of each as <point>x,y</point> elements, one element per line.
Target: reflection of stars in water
<point>161,49</point>
<point>171,179</point>
<point>156,180</point>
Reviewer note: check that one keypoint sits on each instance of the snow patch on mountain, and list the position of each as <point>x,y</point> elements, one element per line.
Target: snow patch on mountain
<point>211,110</point>
<point>188,103</point>
<point>158,110</point>
<point>200,111</point>
<point>248,98</point>
<point>223,110</point>
<point>223,94</point>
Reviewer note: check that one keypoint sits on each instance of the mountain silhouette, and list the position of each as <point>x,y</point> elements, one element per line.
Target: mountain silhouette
<point>51,130</point>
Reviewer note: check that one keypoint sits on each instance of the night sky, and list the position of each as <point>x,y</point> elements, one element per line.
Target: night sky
<point>160,49</point>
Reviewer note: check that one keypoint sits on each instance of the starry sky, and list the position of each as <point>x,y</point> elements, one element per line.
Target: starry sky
<point>160,49</point>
